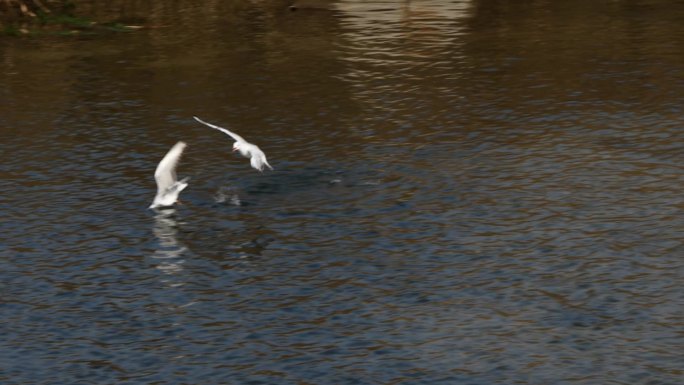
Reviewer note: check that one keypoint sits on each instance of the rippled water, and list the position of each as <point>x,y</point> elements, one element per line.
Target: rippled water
<point>465,193</point>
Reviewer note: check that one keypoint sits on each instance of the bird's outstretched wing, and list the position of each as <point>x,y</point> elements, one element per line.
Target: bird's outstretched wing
<point>165,174</point>
<point>233,135</point>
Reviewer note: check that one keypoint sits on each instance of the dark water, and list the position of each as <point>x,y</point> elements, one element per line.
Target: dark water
<point>464,192</point>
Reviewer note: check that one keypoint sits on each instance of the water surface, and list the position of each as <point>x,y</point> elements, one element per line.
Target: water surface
<point>465,192</point>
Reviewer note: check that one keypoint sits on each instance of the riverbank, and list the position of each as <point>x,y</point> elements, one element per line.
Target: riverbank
<point>67,17</point>
<point>35,17</point>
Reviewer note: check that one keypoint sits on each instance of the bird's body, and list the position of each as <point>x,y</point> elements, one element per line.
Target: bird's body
<point>257,158</point>
<point>168,187</point>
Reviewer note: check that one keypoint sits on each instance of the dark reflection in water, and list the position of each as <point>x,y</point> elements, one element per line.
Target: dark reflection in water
<point>464,192</point>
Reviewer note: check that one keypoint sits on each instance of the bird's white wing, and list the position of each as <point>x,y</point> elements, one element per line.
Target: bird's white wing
<point>233,135</point>
<point>165,175</point>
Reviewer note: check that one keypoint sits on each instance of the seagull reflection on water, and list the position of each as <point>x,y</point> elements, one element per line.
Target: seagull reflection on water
<point>170,252</point>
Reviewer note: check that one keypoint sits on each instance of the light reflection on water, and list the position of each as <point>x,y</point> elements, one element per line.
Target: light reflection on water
<point>399,57</point>
<point>462,194</point>
<point>169,256</point>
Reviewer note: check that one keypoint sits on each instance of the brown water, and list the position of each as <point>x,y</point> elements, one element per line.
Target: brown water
<point>464,192</point>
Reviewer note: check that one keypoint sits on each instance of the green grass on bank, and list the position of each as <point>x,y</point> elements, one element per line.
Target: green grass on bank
<point>59,25</point>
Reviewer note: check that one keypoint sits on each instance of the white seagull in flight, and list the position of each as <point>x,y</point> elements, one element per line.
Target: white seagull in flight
<point>248,150</point>
<point>168,187</point>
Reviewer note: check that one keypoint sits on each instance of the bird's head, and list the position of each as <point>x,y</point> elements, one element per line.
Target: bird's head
<point>243,148</point>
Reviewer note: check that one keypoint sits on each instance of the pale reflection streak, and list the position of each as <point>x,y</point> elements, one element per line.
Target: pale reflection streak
<point>402,32</point>
<point>170,252</point>
<point>400,40</point>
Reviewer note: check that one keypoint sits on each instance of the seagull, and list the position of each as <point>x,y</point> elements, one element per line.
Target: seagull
<point>168,187</point>
<point>248,150</point>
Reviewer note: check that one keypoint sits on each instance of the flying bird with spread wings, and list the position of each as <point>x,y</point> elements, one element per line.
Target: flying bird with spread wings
<point>246,149</point>
<point>168,186</point>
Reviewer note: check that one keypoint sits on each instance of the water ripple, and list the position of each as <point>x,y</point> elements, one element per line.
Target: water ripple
<point>465,192</point>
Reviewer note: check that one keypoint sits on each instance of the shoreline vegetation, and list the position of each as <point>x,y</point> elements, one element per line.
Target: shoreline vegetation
<point>30,18</point>
<point>51,17</point>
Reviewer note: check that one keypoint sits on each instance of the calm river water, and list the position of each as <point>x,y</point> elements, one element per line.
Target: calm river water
<point>465,192</point>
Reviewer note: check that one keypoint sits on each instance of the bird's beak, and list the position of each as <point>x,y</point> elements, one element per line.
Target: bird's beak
<point>234,149</point>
